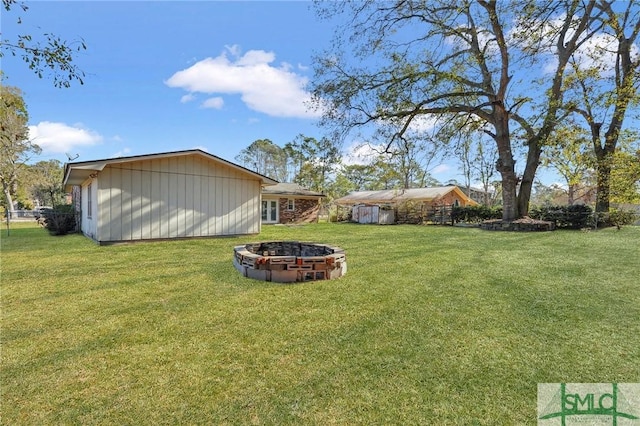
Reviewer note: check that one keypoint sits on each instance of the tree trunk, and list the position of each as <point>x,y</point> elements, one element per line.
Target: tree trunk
<point>509,196</point>
<point>571,194</point>
<point>7,195</point>
<point>603,185</point>
<point>604,157</point>
<point>8,198</point>
<point>506,164</point>
<point>526,185</point>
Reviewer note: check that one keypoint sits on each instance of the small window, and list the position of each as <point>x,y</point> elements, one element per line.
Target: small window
<point>89,202</point>
<point>291,204</point>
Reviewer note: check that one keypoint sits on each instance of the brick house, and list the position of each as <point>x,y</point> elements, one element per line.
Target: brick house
<point>289,203</point>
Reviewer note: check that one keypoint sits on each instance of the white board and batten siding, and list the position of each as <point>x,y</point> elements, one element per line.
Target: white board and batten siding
<point>89,202</point>
<point>171,197</point>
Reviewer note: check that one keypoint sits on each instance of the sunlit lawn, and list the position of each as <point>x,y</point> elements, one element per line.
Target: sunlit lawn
<point>431,325</point>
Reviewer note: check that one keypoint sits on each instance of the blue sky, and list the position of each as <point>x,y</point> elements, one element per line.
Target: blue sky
<point>165,76</point>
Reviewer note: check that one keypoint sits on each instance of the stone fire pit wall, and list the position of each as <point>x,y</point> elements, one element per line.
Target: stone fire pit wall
<point>289,261</point>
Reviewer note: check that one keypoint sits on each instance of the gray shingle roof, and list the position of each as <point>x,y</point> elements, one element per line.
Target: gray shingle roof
<point>290,189</point>
<point>394,195</point>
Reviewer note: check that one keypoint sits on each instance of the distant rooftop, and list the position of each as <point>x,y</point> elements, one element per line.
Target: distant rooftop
<point>290,189</point>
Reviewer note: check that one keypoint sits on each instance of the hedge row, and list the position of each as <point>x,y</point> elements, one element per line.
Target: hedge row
<point>576,216</point>
<point>475,214</point>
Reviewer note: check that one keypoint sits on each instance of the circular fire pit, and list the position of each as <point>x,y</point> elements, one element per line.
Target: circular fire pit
<point>289,261</point>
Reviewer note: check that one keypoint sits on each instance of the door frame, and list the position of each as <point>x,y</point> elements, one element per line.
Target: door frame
<point>268,205</point>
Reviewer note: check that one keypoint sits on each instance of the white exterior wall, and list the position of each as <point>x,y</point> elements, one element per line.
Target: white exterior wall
<point>89,220</point>
<point>182,196</point>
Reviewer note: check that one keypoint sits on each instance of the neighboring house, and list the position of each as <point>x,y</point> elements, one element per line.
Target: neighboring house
<point>479,195</point>
<point>413,205</point>
<point>167,195</point>
<point>290,203</point>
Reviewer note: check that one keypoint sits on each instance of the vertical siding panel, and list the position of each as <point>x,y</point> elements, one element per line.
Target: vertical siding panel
<point>155,214</point>
<point>200,205</point>
<point>211,206</point>
<point>146,200</point>
<point>230,216</point>
<point>229,190</point>
<point>252,207</point>
<point>103,206</point>
<point>238,204</point>
<point>209,196</point>
<point>189,222</point>
<point>84,195</point>
<point>136,202</point>
<point>173,198</point>
<point>202,196</point>
<point>243,207</point>
<point>233,203</point>
<point>181,190</point>
<point>147,206</point>
<point>231,206</point>
<point>200,189</point>
<point>189,205</point>
<point>165,197</point>
<point>244,224</point>
<point>249,205</point>
<point>258,206</point>
<point>126,204</point>
<point>220,206</point>
<point>115,225</point>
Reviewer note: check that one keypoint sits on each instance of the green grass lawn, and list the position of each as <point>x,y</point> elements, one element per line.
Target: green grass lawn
<point>431,325</point>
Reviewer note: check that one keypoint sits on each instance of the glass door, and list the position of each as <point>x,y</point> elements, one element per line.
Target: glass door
<point>270,211</point>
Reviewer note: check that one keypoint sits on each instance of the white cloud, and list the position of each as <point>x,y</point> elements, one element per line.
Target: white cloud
<point>122,153</point>
<point>423,123</point>
<point>58,138</point>
<point>263,87</point>
<point>600,52</point>
<point>187,98</point>
<point>440,169</point>
<point>596,52</point>
<point>234,49</point>
<point>361,153</point>
<point>214,103</point>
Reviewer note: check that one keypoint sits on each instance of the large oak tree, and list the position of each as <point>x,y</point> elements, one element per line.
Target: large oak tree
<point>15,147</point>
<point>498,63</point>
<point>602,86</point>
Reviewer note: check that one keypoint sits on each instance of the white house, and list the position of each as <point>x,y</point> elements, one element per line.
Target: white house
<point>167,195</point>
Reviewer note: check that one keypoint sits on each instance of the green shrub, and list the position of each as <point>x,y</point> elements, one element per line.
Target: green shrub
<point>475,214</point>
<point>576,216</point>
<point>620,217</point>
<point>60,220</point>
